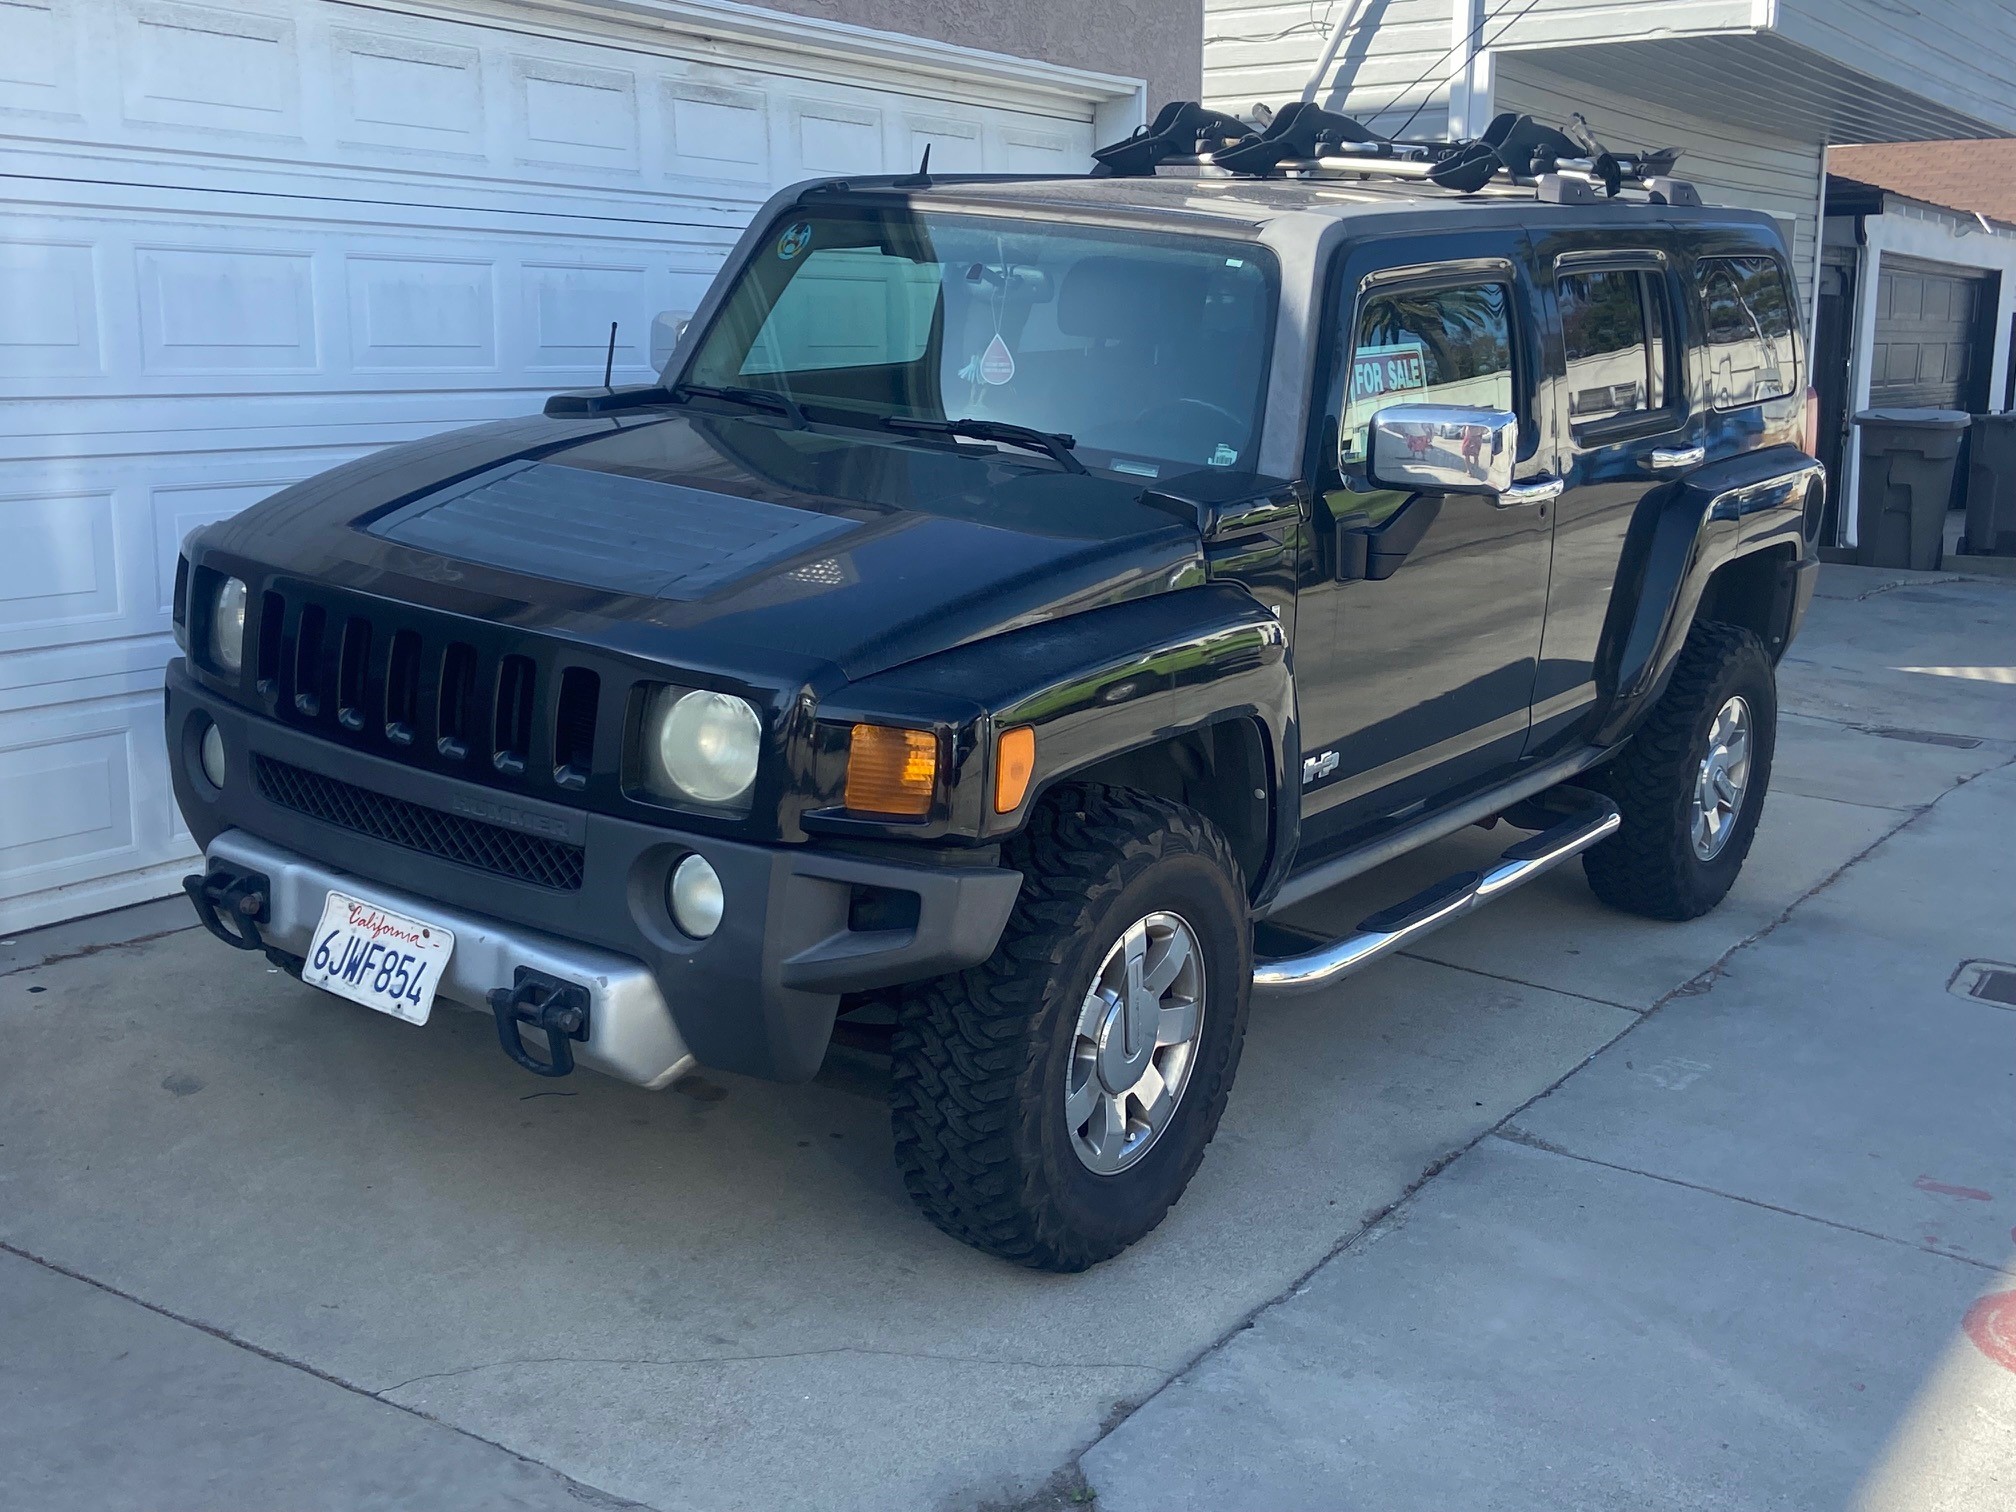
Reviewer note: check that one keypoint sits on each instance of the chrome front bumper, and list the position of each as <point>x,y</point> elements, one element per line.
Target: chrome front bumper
<point>631,1033</point>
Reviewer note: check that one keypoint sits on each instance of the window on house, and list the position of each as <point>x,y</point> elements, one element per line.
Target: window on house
<point>1747,306</point>
<point>1614,329</point>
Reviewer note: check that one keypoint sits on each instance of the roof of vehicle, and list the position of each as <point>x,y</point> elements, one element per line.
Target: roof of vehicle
<point>1248,203</point>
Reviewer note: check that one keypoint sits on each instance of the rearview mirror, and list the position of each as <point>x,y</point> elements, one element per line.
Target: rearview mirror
<point>1443,448</point>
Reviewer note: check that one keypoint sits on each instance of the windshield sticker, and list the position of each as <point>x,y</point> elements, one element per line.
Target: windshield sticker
<point>1224,456</point>
<point>1394,369</point>
<point>795,240</point>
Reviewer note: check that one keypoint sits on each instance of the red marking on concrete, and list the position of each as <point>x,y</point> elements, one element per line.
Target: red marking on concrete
<point>1991,1324</point>
<point>1972,1194</point>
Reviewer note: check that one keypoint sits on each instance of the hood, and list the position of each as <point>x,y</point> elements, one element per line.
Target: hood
<point>739,543</point>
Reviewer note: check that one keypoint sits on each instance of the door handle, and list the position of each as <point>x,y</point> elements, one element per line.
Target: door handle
<point>1672,458</point>
<point>1537,491</point>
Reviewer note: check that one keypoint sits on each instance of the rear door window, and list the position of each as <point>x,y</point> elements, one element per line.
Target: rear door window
<point>1747,313</point>
<point>1615,329</point>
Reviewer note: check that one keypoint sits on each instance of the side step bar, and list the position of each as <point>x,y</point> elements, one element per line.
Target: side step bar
<point>1397,927</point>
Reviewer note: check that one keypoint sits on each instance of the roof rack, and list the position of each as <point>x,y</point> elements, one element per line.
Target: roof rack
<point>1303,140</point>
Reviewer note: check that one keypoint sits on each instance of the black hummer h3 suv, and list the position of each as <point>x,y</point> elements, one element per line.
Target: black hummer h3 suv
<point>1016,594</point>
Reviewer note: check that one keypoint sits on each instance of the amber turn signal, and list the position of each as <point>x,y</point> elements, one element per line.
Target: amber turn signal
<point>891,771</point>
<point>1014,765</point>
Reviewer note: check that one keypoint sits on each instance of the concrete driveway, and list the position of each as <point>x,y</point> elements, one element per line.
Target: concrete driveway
<point>1566,1209</point>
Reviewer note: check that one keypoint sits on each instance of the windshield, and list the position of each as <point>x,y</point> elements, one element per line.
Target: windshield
<point>1149,350</point>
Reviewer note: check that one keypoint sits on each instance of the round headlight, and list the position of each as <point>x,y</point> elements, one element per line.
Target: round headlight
<point>694,896</point>
<point>211,753</point>
<point>706,744</point>
<point>227,626</point>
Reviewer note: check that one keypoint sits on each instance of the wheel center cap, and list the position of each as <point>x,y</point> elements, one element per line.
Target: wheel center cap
<point>1122,1058</point>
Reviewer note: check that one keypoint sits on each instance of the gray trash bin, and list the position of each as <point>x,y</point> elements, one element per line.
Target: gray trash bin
<point>1991,487</point>
<point>1906,485</point>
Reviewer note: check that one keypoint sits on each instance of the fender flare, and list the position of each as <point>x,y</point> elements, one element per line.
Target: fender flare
<point>1115,680</point>
<point>1682,535</point>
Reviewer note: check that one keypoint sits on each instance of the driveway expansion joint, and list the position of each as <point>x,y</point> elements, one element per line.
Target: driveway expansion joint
<point>384,1393</point>
<point>1513,1134</point>
<point>590,1495</point>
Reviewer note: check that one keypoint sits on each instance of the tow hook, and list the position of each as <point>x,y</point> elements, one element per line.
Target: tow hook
<point>559,1009</point>
<point>224,892</point>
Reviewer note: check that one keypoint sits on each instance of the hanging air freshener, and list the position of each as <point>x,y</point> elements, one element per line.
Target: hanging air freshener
<point>997,363</point>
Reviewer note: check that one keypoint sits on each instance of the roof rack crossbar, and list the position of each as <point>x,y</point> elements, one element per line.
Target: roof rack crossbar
<point>1567,166</point>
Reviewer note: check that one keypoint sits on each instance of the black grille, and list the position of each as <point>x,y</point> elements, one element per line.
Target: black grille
<point>431,831</point>
<point>391,679</point>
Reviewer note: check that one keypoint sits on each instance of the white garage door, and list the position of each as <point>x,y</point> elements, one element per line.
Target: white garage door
<point>242,242</point>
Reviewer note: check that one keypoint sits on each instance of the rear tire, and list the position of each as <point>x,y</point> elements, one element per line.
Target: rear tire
<point>1684,840</point>
<point>993,1070</point>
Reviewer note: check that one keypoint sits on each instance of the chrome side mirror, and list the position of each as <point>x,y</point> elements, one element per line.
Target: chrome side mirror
<point>1443,448</point>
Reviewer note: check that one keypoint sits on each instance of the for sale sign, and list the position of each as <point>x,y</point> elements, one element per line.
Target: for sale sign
<point>1391,369</point>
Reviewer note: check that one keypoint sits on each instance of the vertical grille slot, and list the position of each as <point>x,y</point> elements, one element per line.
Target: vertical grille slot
<point>307,688</point>
<point>353,665</point>
<point>272,620</point>
<point>402,688</point>
<point>179,605</point>
<point>456,715</point>
<point>574,727</point>
<point>515,678</point>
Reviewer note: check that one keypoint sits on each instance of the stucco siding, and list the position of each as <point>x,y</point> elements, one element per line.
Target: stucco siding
<point>1778,175</point>
<point>1156,40</point>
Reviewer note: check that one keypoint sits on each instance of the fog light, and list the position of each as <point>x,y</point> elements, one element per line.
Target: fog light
<point>694,896</point>
<point>212,754</point>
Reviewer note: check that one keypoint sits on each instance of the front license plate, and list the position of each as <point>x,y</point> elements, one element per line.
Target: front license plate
<point>381,959</point>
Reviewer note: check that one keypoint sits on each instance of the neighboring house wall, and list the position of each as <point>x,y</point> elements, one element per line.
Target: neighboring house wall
<point>1730,165</point>
<point>1392,44</point>
<point>1907,229</point>
<point>1954,52</point>
<point>1156,40</point>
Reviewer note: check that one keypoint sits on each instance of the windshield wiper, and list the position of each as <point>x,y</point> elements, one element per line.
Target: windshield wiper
<point>754,398</point>
<point>1053,444</point>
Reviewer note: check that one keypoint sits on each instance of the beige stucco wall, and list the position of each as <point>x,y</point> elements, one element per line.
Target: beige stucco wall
<point>1161,41</point>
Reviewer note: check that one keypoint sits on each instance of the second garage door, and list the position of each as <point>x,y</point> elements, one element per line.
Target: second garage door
<point>1928,350</point>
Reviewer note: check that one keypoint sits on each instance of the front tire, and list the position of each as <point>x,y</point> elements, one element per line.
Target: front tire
<point>1691,783</point>
<point>1051,1104</point>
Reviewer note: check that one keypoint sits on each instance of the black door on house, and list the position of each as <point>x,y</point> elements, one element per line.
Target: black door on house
<point>1833,337</point>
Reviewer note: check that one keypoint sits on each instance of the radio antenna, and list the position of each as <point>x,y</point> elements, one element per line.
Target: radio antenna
<point>609,365</point>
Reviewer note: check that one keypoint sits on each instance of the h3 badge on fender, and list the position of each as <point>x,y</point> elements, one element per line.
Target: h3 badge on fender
<point>381,959</point>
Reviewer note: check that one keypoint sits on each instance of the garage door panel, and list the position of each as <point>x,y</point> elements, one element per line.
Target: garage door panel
<point>258,238</point>
<point>309,303</point>
<point>406,94</point>
<point>718,132</point>
<point>59,572</point>
<point>51,329</point>
<point>434,314</point>
<point>1925,336</point>
<point>303,85</point>
<point>87,818</point>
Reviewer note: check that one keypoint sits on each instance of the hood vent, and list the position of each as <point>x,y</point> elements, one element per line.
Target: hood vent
<point>606,530</point>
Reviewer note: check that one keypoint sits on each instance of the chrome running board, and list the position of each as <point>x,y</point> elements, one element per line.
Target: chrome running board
<point>1398,927</point>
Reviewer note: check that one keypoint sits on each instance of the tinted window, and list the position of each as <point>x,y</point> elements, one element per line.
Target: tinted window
<point>848,307</point>
<point>1613,325</point>
<point>1747,309</point>
<point>1149,349</point>
<point>1428,346</point>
